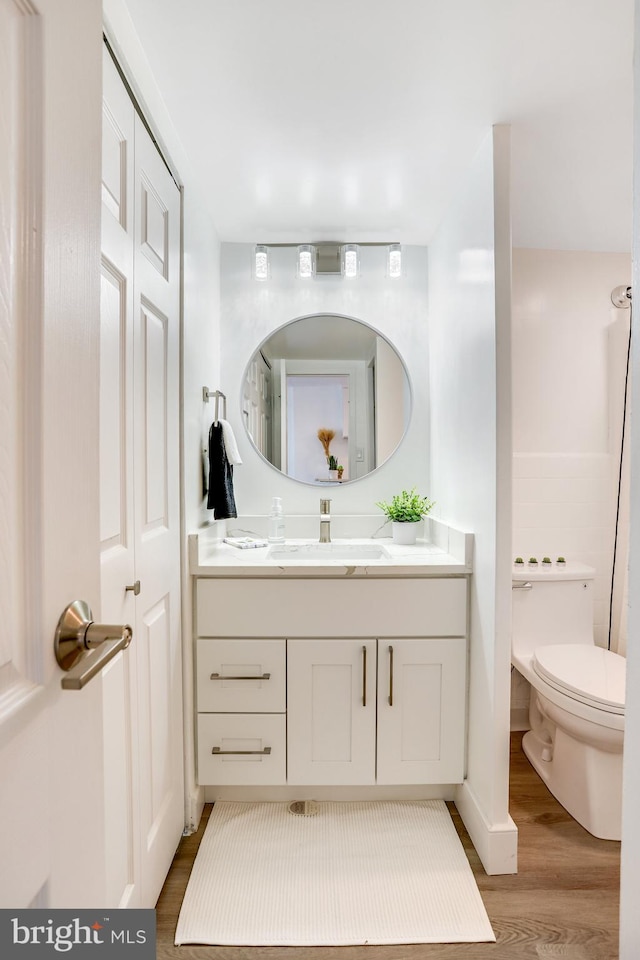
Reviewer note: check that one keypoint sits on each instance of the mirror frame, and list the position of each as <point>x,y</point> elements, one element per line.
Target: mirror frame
<point>258,349</point>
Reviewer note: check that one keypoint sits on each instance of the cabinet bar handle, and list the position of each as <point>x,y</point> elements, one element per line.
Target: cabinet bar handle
<point>364,676</point>
<point>390,676</point>
<point>241,753</point>
<point>219,676</point>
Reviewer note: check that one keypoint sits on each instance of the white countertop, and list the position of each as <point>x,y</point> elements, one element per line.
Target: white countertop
<point>213,558</point>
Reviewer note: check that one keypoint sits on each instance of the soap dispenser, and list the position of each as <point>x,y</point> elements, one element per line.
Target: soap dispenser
<point>276,522</point>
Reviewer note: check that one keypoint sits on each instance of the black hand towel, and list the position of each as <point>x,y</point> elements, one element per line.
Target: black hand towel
<point>220,498</point>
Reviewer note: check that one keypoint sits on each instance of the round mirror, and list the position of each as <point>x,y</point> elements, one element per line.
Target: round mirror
<point>326,399</point>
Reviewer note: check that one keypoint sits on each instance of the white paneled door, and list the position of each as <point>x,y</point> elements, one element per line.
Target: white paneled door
<point>139,501</point>
<point>52,850</point>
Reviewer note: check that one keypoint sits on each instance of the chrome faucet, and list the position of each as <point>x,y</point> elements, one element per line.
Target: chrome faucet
<point>325,521</point>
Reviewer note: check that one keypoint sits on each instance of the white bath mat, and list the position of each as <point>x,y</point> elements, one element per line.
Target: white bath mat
<point>341,873</point>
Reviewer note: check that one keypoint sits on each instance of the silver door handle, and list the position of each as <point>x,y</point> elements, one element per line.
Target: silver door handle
<point>83,647</point>
<point>527,585</point>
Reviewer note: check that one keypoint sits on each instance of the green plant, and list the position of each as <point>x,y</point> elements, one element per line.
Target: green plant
<point>519,560</point>
<point>333,463</point>
<point>406,507</point>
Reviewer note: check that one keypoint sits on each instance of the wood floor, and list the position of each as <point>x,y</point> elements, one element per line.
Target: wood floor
<point>561,905</point>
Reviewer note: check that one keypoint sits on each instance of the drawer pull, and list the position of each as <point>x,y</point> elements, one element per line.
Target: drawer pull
<point>241,753</point>
<point>219,676</point>
<point>390,676</point>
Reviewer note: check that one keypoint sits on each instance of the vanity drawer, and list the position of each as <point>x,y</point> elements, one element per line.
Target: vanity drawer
<point>391,607</point>
<point>241,676</point>
<point>262,737</point>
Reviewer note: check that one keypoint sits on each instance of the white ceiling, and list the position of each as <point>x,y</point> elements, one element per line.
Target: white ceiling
<point>356,119</point>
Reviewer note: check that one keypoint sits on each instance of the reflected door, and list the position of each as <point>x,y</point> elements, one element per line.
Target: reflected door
<point>316,402</point>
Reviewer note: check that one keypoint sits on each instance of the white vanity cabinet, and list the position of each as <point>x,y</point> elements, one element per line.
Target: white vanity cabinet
<point>388,711</point>
<point>331,681</point>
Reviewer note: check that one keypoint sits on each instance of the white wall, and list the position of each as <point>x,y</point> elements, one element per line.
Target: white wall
<point>469,284</point>
<point>569,358</point>
<point>252,310</point>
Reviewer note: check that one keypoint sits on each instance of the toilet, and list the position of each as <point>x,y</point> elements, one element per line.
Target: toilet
<point>576,711</point>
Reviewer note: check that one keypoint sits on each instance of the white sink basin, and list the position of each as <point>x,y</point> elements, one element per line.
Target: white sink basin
<point>328,551</point>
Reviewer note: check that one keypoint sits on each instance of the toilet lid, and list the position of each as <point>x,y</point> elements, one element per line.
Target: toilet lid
<point>590,674</point>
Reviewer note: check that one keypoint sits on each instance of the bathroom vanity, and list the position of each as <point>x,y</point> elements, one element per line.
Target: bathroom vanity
<point>331,668</point>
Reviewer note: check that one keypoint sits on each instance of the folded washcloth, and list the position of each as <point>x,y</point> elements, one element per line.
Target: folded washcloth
<point>230,445</point>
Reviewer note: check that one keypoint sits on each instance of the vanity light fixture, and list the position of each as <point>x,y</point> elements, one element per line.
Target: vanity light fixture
<point>350,261</point>
<point>261,262</point>
<point>394,261</point>
<point>306,261</point>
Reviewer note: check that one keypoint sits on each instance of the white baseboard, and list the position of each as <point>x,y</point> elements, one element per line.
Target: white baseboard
<point>496,844</point>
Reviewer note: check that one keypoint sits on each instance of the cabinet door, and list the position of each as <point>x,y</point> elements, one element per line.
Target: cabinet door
<point>421,710</point>
<point>331,711</point>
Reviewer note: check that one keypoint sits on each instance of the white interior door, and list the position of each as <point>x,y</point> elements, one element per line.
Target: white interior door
<point>51,747</point>
<point>139,464</point>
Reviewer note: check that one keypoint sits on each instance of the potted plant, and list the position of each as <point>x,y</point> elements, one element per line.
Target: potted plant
<point>340,471</point>
<point>404,511</point>
<point>333,467</point>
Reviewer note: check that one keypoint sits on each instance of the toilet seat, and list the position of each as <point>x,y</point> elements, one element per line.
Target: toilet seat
<point>589,674</point>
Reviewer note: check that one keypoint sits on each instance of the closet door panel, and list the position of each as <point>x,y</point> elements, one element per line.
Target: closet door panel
<point>140,505</point>
<point>157,513</point>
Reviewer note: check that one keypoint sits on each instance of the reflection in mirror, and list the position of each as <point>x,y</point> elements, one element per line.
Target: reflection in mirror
<point>326,392</point>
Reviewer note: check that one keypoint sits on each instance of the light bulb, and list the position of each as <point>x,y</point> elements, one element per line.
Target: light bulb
<point>305,261</point>
<point>350,260</point>
<point>261,266</point>
<point>395,261</point>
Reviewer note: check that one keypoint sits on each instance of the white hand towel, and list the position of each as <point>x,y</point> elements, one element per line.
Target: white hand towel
<point>230,445</point>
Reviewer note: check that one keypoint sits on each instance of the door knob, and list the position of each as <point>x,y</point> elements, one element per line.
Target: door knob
<point>83,647</point>
<point>134,587</point>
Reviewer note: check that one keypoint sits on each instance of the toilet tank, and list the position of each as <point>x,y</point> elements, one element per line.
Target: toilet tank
<point>551,604</point>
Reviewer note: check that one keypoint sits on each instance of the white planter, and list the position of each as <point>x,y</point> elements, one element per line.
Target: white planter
<point>333,474</point>
<point>404,533</point>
